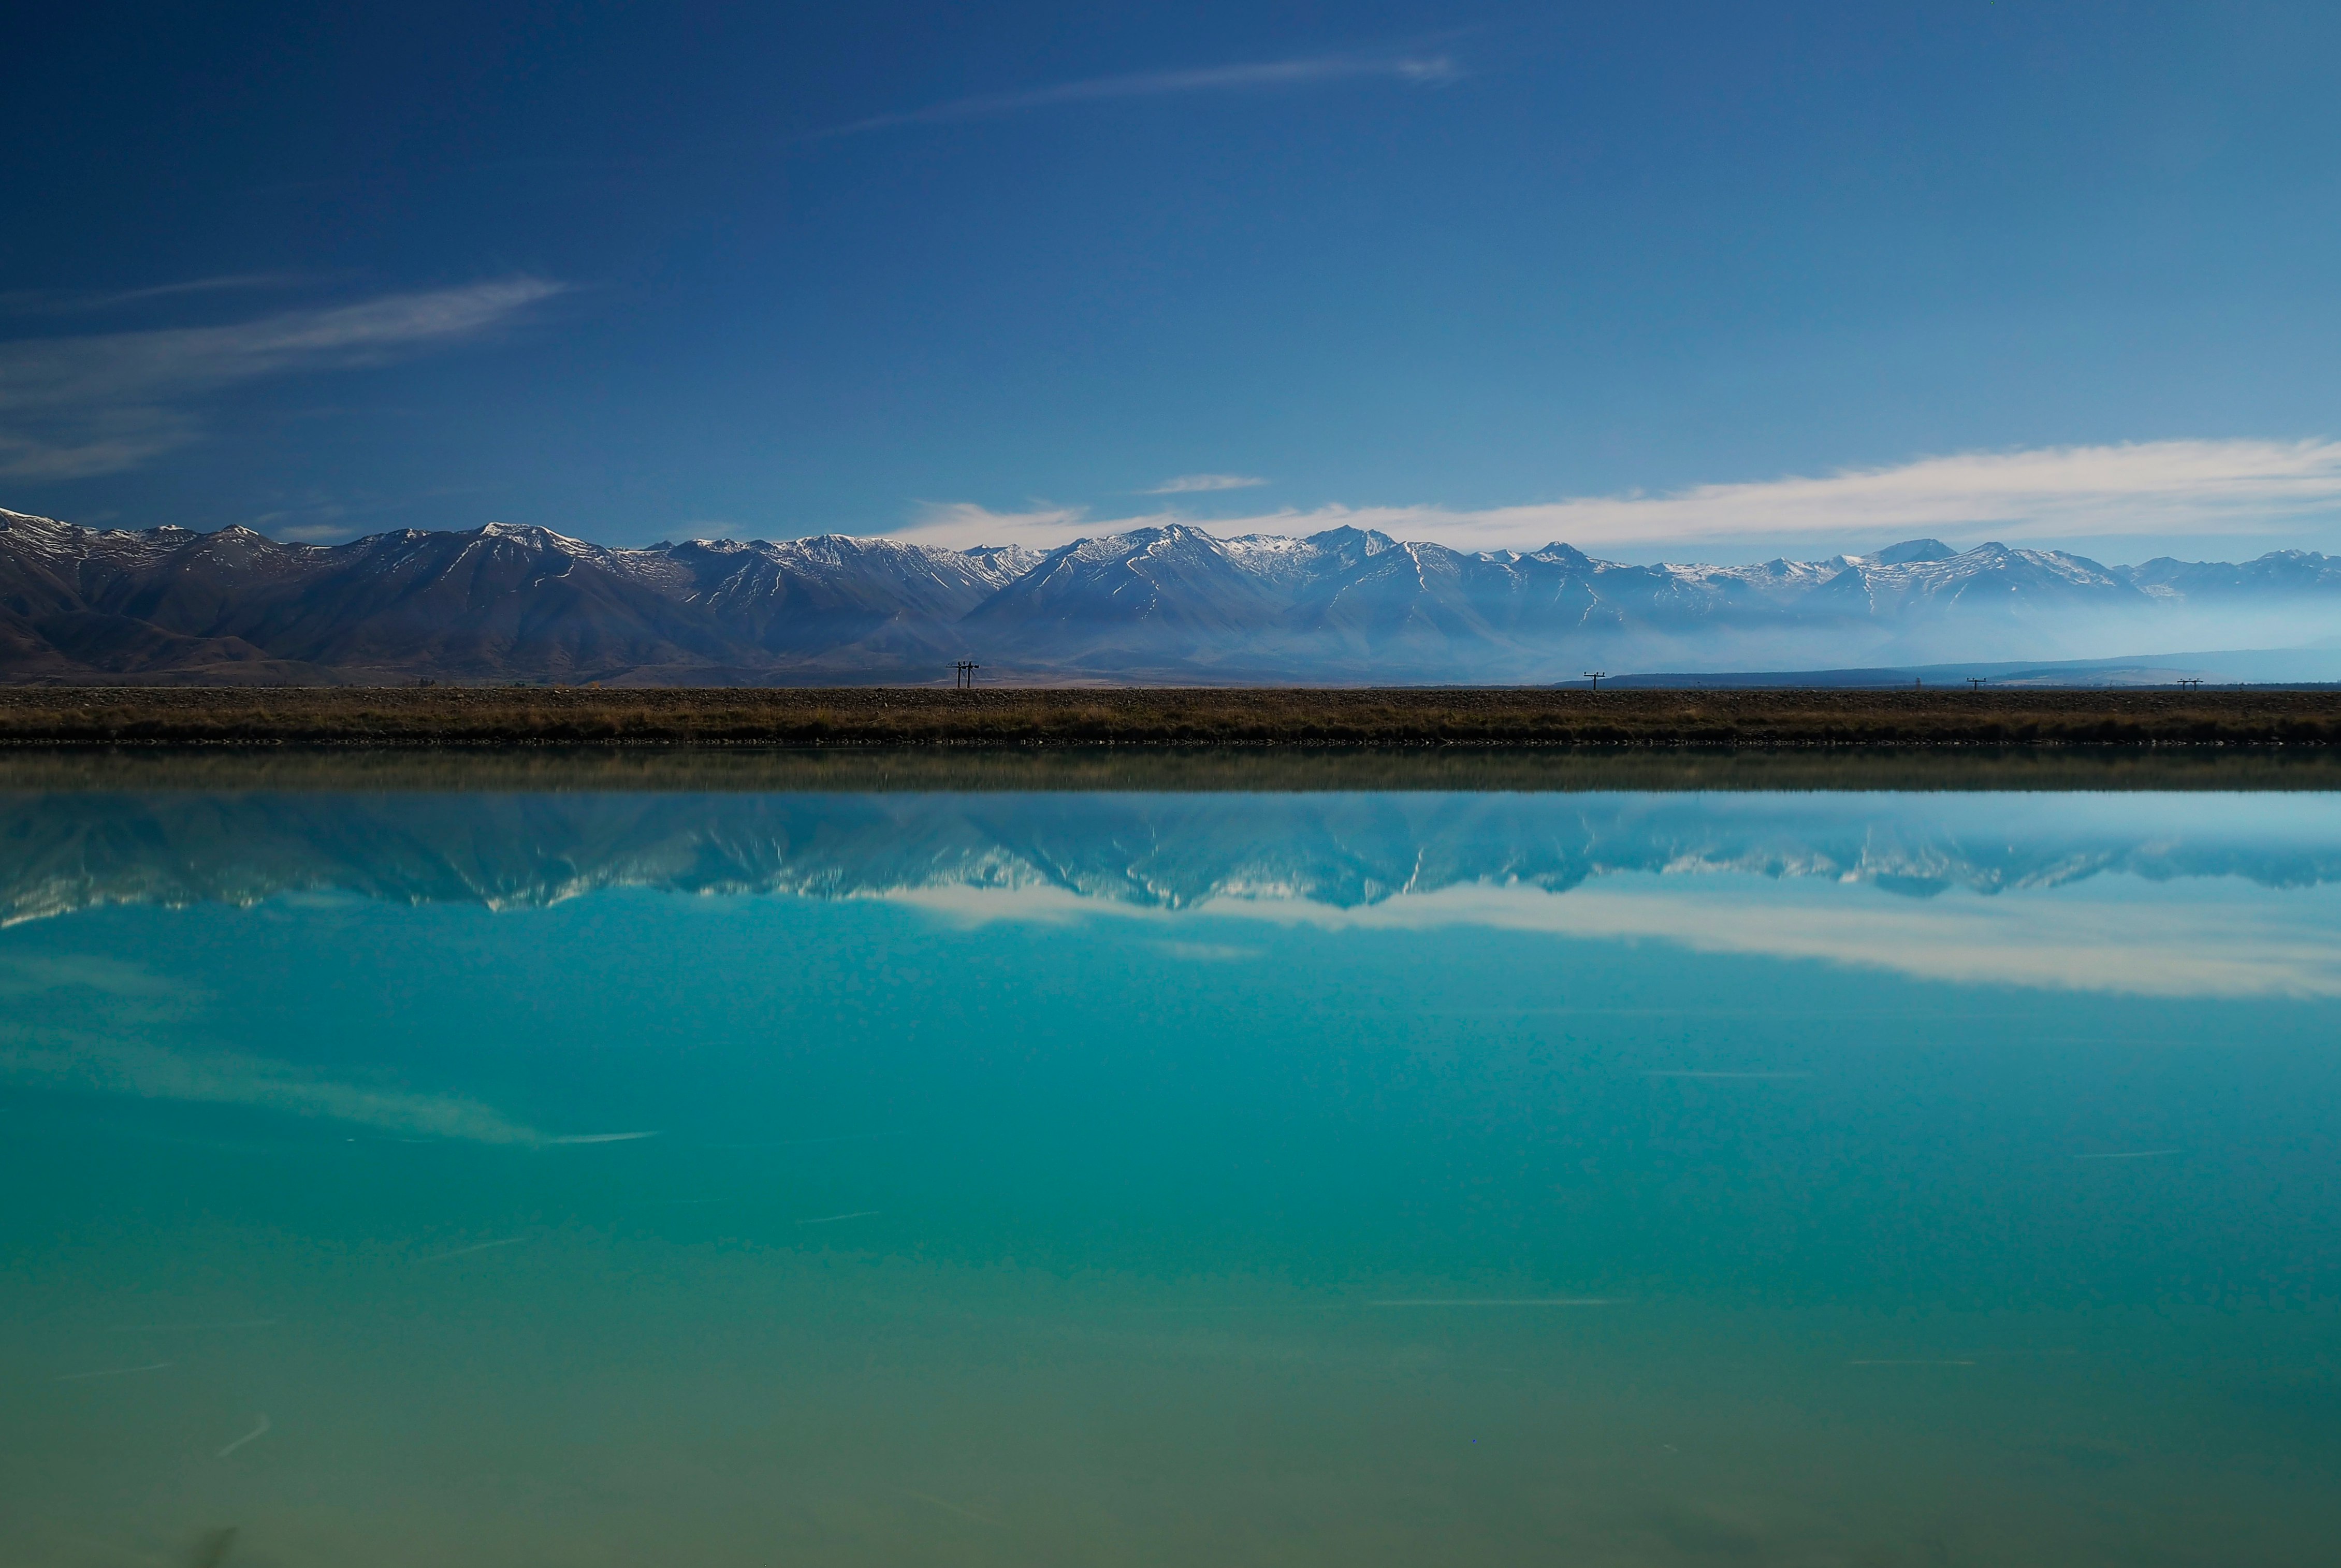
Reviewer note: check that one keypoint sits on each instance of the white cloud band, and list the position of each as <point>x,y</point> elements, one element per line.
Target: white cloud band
<point>2062,492</point>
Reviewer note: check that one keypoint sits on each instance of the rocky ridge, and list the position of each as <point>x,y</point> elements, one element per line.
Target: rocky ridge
<point>1170,604</point>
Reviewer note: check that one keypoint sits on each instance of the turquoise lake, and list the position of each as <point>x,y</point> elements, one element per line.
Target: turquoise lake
<point>500,1164</point>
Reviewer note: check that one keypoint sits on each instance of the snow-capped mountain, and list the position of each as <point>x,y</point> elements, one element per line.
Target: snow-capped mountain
<point>1158,604</point>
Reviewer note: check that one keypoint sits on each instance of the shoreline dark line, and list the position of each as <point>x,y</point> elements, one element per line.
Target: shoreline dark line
<point>1495,720</point>
<point>547,768</point>
<point>1125,743</point>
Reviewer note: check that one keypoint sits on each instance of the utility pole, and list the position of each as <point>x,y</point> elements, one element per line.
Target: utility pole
<point>1595,676</point>
<point>963,675</point>
<point>1975,682</point>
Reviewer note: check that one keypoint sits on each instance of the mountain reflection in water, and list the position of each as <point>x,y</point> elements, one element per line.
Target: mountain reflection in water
<point>70,851</point>
<point>919,1170</point>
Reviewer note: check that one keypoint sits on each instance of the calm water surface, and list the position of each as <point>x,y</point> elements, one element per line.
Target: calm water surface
<point>405,1174</point>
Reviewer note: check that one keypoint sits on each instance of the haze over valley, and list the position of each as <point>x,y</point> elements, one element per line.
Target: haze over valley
<point>1170,604</point>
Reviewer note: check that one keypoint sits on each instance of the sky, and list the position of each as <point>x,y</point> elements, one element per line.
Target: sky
<point>1678,281</point>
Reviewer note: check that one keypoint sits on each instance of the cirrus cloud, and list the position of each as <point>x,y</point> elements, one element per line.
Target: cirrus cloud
<point>1196,484</point>
<point>1258,75</point>
<point>75,406</point>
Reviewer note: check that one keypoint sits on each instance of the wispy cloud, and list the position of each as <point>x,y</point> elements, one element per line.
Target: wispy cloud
<point>2041,494</point>
<point>1254,76</point>
<point>1195,484</point>
<point>75,406</point>
<point>59,301</point>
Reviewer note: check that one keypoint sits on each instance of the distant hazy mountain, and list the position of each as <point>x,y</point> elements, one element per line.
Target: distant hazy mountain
<point>1172,604</point>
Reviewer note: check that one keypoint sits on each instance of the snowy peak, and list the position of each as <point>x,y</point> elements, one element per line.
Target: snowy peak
<point>1914,549</point>
<point>1166,602</point>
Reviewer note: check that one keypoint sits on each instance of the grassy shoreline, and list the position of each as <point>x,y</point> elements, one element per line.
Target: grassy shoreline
<point>1159,716</point>
<point>544,769</point>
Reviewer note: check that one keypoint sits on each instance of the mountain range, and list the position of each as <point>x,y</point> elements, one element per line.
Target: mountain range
<point>1172,604</point>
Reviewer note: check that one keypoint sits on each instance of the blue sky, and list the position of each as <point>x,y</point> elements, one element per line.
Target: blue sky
<point>2058,273</point>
